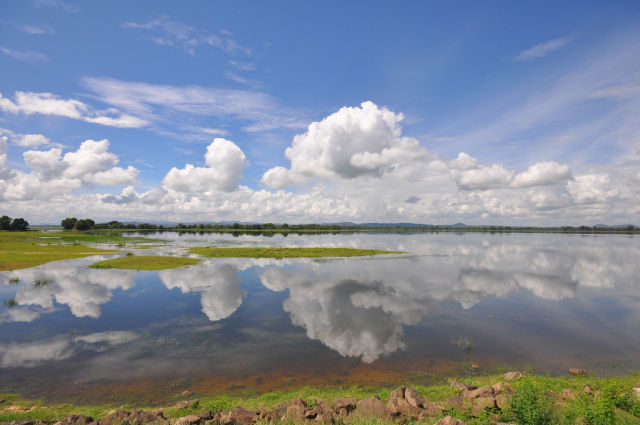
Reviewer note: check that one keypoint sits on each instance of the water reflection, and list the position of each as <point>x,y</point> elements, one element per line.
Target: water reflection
<point>358,307</point>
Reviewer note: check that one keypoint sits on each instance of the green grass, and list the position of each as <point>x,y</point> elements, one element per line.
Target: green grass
<point>145,262</point>
<point>537,400</point>
<point>287,252</point>
<point>19,250</point>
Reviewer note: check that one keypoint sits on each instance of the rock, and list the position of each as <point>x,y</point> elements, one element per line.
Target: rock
<point>348,403</point>
<point>187,403</point>
<point>587,389</point>
<point>115,417</point>
<point>2,400</point>
<point>461,385</point>
<point>502,401</point>
<point>400,406</point>
<point>502,388</point>
<point>449,420</point>
<point>510,376</point>
<point>481,404</point>
<point>568,394</point>
<point>475,366</point>
<point>455,400</point>
<point>373,407</point>
<point>414,398</point>
<point>186,393</point>
<point>577,372</point>
<point>485,391</point>
<point>239,415</point>
<point>188,420</point>
<point>21,422</point>
<point>76,420</point>
<point>141,417</point>
<point>294,409</point>
<point>637,389</point>
<point>397,394</point>
<point>433,408</point>
<point>207,415</point>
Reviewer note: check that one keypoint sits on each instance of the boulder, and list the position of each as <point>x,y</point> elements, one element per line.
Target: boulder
<point>568,394</point>
<point>587,389</point>
<point>187,403</point>
<point>400,406</point>
<point>21,422</point>
<point>373,407</point>
<point>433,408</point>
<point>240,415</point>
<point>140,417</point>
<point>457,385</point>
<point>481,404</point>
<point>475,366</point>
<point>577,372</point>
<point>414,398</point>
<point>117,417</point>
<point>485,391</point>
<point>455,401</point>
<point>397,394</point>
<point>348,403</point>
<point>207,415</point>
<point>502,388</point>
<point>188,420</point>
<point>449,420</point>
<point>510,376</point>
<point>76,420</point>
<point>294,409</point>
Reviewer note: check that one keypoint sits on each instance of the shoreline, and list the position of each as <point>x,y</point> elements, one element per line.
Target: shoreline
<point>474,400</point>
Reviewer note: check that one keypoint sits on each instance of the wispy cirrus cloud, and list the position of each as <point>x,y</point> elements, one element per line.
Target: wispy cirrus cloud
<point>187,38</point>
<point>50,104</point>
<point>543,49</point>
<point>58,4</point>
<point>37,29</point>
<point>160,104</point>
<point>31,57</point>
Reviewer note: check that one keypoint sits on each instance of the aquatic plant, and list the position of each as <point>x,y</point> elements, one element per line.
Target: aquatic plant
<point>463,343</point>
<point>14,280</point>
<point>11,302</point>
<point>41,282</point>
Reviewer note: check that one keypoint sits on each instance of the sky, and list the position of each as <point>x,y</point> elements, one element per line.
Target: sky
<point>496,112</point>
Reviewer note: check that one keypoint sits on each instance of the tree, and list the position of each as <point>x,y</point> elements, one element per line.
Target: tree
<point>84,224</point>
<point>69,223</point>
<point>5,222</point>
<point>19,225</point>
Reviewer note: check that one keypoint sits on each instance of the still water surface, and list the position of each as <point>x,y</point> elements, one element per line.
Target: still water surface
<point>547,301</point>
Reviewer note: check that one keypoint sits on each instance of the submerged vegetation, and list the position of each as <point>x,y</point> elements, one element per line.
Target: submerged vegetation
<point>287,252</point>
<point>529,400</point>
<point>145,262</point>
<point>463,343</point>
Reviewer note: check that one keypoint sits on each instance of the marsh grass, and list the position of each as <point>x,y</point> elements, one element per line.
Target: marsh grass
<point>11,302</point>
<point>269,252</point>
<point>463,343</point>
<point>41,282</point>
<point>14,280</point>
<point>20,250</point>
<point>144,262</point>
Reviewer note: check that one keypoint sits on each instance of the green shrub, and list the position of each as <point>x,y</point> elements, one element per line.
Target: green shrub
<point>530,405</point>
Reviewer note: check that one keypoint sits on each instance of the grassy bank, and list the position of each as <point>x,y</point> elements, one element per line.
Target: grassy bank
<point>287,252</point>
<point>145,262</point>
<point>532,400</point>
<point>19,250</point>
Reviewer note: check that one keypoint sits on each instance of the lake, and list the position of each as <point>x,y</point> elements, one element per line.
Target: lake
<point>545,302</point>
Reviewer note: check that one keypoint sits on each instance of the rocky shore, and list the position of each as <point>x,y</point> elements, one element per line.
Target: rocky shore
<point>403,405</point>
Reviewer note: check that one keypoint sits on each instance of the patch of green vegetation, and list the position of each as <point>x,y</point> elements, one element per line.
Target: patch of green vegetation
<point>145,262</point>
<point>147,246</point>
<point>11,302</point>
<point>287,252</point>
<point>536,400</point>
<point>19,250</point>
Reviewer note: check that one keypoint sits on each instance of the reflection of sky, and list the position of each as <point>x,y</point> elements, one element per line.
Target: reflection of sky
<point>359,307</point>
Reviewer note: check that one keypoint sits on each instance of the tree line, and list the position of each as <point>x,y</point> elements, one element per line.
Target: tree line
<point>15,225</point>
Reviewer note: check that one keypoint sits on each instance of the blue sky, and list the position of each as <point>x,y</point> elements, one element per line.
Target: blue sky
<point>483,112</point>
